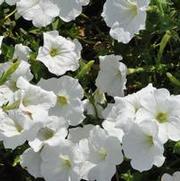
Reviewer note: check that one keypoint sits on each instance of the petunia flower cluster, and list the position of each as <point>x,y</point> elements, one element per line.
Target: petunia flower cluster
<point>43,12</point>
<point>51,116</point>
<point>126,20</point>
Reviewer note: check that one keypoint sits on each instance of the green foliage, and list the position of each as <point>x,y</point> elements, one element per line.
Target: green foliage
<point>6,75</point>
<point>152,56</point>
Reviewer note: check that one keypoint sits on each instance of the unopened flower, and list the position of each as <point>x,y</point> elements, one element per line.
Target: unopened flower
<point>112,75</point>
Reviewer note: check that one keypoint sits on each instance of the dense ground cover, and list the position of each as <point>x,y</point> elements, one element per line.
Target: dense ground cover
<point>152,56</point>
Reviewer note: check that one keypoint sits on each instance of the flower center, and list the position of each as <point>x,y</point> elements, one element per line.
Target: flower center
<point>67,163</point>
<point>26,101</point>
<point>133,8</point>
<point>102,153</point>
<point>62,100</point>
<point>149,140</point>
<point>54,52</point>
<point>162,117</point>
<point>45,134</point>
<point>19,128</point>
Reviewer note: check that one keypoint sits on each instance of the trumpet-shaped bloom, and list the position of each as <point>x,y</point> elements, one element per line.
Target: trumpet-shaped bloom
<point>6,95</point>
<point>31,95</point>
<point>174,177</point>
<point>59,54</point>
<point>125,18</point>
<point>142,145</point>
<point>60,162</point>
<point>41,12</point>
<point>79,133</point>
<point>16,128</point>
<point>53,130</point>
<point>21,53</point>
<point>69,94</point>
<point>135,98</point>
<point>23,70</point>
<point>120,115</point>
<point>31,161</point>
<point>69,10</point>
<point>163,109</point>
<point>112,75</point>
<point>100,159</point>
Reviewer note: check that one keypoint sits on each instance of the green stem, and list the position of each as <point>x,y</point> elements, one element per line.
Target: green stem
<point>152,68</point>
<point>9,15</point>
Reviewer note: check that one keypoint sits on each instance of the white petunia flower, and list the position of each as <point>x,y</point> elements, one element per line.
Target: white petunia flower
<point>79,133</point>
<point>69,94</point>
<point>125,18</point>
<point>84,2</point>
<point>142,145</point>
<point>112,75</point>
<point>101,154</point>
<point>69,10</point>
<point>59,54</point>
<point>53,130</point>
<point>1,39</point>
<point>23,70</point>
<point>41,12</point>
<point>163,109</point>
<point>11,2</point>
<point>174,177</point>
<point>135,98</point>
<point>32,95</point>
<point>16,128</point>
<point>21,53</point>
<point>31,161</point>
<point>60,162</point>
<point>120,116</point>
<point>32,100</point>
<point>6,95</point>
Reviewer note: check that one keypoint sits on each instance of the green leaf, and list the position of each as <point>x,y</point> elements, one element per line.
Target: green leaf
<point>177,148</point>
<point>173,79</point>
<point>163,45</point>
<point>85,69</point>
<point>5,76</point>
